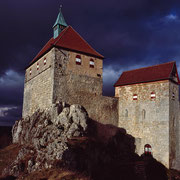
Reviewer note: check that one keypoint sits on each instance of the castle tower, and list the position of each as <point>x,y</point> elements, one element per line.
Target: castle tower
<point>66,69</point>
<point>149,110</point>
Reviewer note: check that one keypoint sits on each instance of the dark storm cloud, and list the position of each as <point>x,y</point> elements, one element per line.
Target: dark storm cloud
<point>9,115</point>
<point>129,33</point>
<point>11,88</point>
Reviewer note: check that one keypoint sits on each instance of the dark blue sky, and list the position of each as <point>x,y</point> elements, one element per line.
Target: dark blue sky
<point>129,33</point>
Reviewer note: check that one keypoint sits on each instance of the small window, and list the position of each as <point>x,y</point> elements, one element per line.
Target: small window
<point>147,149</point>
<point>45,61</point>
<point>30,72</point>
<point>98,75</point>
<point>135,97</point>
<point>153,95</point>
<point>126,113</point>
<point>173,96</point>
<point>37,66</point>
<point>78,60</point>
<point>143,114</point>
<point>91,63</point>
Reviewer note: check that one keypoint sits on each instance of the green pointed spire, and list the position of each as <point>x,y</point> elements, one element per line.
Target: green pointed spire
<point>60,24</point>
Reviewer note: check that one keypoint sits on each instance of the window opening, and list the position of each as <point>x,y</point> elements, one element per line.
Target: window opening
<point>143,114</point>
<point>126,113</point>
<point>135,97</point>
<point>78,60</point>
<point>91,63</point>
<point>147,149</point>
<point>173,96</point>
<point>153,95</point>
<point>30,72</point>
<point>45,61</point>
<point>37,66</point>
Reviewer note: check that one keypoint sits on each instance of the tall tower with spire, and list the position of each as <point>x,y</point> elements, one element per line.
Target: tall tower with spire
<point>60,24</point>
<point>66,69</point>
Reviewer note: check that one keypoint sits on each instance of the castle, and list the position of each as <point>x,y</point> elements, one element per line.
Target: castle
<point>146,101</point>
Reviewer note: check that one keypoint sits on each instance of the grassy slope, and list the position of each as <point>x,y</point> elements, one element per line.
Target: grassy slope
<point>5,136</point>
<point>55,174</point>
<point>8,154</point>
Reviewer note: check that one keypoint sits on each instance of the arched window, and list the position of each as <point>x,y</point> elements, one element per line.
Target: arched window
<point>78,60</point>
<point>30,72</point>
<point>37,66</point>
<point>153,95</point>
<point>143,114</point>
<point>126,113</point>
<point>135,96</point>
<point>147,149</point>
<point>91,63</point>
<point>45,61</point>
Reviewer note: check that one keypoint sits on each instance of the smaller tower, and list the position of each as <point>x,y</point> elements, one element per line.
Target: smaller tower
<point>149,110</point>
<point>60,24</point>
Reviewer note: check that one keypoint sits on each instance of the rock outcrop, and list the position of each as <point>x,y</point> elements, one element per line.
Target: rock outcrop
<point>44,137</point>
<point>64,138</point>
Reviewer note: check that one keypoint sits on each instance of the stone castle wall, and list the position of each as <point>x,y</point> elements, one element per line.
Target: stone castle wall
<point>174,124</point>
<point>84,68</point>
<point>147,119</point>
<point>38,85</point>
<point>80,84</point>
<point>61,79</point>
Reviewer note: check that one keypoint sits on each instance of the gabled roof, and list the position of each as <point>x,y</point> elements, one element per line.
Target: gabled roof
<point>68,39</point>
<point>159,72</point>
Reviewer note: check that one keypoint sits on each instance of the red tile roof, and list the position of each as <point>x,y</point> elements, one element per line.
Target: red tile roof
<point>148,74</point>
<point>71,40</point>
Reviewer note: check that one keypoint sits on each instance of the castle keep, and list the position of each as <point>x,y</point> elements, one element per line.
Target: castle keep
<point>146,101</point>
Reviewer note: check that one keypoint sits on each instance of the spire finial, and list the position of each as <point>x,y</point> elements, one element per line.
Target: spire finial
<point>60,7</point>
<point>60,23</point>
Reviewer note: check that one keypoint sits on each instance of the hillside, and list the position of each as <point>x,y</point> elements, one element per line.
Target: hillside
<point>5,136</point>
<point>66,144</point>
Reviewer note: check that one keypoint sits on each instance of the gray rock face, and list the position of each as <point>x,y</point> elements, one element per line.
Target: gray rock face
<point>44,136</point>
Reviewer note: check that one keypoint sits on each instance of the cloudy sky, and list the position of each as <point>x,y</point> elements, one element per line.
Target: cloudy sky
<point>129,33</point>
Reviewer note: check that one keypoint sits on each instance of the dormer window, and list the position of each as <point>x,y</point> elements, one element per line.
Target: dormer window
<point>37,66</point>
<point>135,96</point>
<point>78,60</point>
<point>153,95</point>
<point>91,63</point>
<point>45,61</point>
<point>30,72</point>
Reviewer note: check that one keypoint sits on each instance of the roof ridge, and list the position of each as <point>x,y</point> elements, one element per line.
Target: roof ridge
<point>150,66</point>
<point>87,42</point>
<point>41,50</point>
<point>61,34</point>
<point>172,70</point>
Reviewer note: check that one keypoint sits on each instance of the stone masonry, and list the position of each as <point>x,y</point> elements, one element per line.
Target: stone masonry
<point>55,76</point>
<point>62,80</point>
<point>152,121</point>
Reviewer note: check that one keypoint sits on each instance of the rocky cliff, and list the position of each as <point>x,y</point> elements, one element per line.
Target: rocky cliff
<point>44,137</point>
<point>63,137</point>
